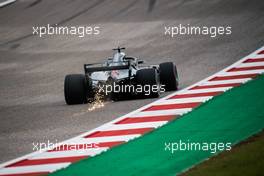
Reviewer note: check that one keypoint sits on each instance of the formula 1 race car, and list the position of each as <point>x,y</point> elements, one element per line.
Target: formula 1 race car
<point>120,77</point>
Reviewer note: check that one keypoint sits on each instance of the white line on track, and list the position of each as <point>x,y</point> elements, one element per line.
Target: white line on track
<point>70,153</point>
<point>162,112</point>
<point>5,3</point>
<point>107,138</point>
<point>208,90</point>
<point>226,81</point>
<point>242,72</point>
<point>183,100</point>
<point>251,64</point>
<point>33,168</point>
<point>257,56</point>
<point>137,125</point>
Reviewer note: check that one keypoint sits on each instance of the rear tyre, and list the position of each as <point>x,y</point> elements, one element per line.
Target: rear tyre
<point>149,80</point>
<point>169,76</point>
<point>75,89</point>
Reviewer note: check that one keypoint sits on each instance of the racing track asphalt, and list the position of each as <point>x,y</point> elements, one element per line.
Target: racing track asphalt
<point>32,69</point>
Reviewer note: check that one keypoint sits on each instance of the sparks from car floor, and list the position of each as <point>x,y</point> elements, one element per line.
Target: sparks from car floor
<point>97,103</point>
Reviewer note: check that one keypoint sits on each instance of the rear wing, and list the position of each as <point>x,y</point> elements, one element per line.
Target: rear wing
<point>89,68</point>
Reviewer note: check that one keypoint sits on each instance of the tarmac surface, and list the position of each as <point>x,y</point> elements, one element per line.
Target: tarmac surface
<point>32,69</point>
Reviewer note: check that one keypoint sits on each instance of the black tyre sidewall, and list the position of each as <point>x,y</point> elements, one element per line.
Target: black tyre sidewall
<point>148,76</point>
<point>168,76</point>
<point>75,89</point>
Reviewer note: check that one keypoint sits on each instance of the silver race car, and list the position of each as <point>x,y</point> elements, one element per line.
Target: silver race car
<point>120,77</point>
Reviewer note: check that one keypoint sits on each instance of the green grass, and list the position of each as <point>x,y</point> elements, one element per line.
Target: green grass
<point>246,158</point>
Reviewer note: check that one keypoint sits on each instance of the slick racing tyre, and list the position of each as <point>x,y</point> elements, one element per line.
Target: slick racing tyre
<point>75,89</point>
<point>169,76</point>
<point>148,78</point>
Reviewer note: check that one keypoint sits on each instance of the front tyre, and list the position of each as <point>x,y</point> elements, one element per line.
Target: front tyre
<point>75,89</point>
<point>169,76</point>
